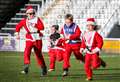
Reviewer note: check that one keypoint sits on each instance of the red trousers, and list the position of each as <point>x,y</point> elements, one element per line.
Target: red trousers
<point>92,61</point>
<point>37,45</point>
<point>69,48</point>
<point>55,54</point>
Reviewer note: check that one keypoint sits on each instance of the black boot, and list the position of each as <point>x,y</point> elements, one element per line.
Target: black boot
<point>26,67</point>
<point>44,71</point>
<point>65,72</point>
<point>103,63</point>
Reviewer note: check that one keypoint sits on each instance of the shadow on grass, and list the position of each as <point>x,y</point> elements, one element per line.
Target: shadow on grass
<point>105,75</point>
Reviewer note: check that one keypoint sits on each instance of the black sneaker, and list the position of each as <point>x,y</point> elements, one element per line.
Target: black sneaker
<point>65,72</point>
<point>44,71</point>
<point>103,64</point>
<point>25,71</point>
<point>89,79</point>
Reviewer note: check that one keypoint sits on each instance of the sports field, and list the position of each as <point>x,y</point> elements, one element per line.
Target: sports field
<point>11,64</point>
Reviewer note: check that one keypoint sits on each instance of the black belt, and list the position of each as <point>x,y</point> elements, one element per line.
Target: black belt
<point>32,32</point>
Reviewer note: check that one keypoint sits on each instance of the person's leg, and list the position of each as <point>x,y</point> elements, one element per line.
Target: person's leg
<point>96,62</point>
<point>76,51</point>
<point>103,63</point>
<point>52,59</point>
<point>27,53</point>
<point>39,56</point>
<point>59,55</point>
<point>87,66</point>
<point>66,59</point>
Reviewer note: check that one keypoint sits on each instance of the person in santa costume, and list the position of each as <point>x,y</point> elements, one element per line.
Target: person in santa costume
<point>56,47</point>
<point>92,43</point>
<point>33,25</point>
<point>71,33</point>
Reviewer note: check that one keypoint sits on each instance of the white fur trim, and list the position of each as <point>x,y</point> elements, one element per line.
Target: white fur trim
<point>31,27</point>
<point>40,38</point>
<point>75,28</point>
<point>29,10</point>
<point>81,48</point>
<point>91,23</point>
<point>58,48</point>
<point>91,41</point>
<point>97,49</point>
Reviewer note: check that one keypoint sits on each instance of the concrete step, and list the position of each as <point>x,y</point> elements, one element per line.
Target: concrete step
<point>16,18</point>
<point>5,28</point>
<point>10,23</point>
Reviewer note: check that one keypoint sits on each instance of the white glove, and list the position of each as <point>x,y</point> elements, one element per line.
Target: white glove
<point>96,50</point>
<point>17,36</point>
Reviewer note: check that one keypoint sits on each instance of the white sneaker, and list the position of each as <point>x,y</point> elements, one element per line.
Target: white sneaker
<point>89,79</point>
<point>23,72</point>
<point>65,73</point>
<point>50,70</point>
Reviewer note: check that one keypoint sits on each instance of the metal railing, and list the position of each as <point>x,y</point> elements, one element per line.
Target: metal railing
<point>109,25</point>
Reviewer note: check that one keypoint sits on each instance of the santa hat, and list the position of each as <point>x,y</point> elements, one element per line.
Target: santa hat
<point>91,21</point>
<point>29,8</point>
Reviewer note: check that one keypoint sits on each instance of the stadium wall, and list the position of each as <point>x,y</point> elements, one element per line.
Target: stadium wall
<point>9,43</point>
<point>111,45</point>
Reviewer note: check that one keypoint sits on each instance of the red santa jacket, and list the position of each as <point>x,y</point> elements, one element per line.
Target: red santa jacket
<point>56,42</point>
<point>73,36</point>
<point>92,40</point>
<point>60,43</point>
<point>31,26</point>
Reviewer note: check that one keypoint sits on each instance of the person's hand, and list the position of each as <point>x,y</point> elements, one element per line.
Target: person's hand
<point>17,36</point>
<point>81,50</point>
<point>96,50</point>
<point>67,37</point>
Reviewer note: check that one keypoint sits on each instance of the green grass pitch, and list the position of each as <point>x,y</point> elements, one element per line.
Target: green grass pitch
<point>11,63</point>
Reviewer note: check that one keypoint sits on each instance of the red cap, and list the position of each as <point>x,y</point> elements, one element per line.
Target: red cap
<point>29,8</point>
<point>91,21</point>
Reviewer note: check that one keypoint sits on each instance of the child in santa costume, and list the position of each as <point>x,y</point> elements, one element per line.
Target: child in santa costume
<point>71,33</point>
<point>56,47</point>
<point>92,43</point>
<point>33,25</point>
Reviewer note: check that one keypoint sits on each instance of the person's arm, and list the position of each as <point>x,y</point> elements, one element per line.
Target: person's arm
<point>62,33</point>
<point>39,24</point>
<point>76,35</point>
<point>99,41</point>
<point>60,41</point>
<point>18,27</point>
<point>83,45</point>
